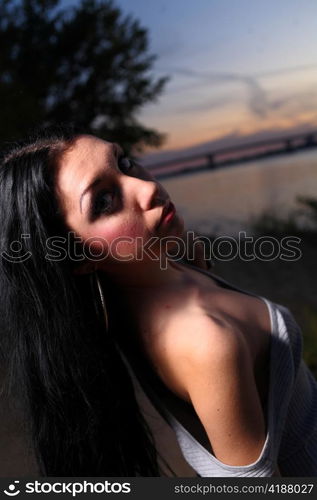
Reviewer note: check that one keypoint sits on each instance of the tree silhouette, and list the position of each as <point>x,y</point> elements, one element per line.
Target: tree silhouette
<point>87,64</point>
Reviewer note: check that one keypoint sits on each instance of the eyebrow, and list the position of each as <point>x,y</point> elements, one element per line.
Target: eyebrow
<point>116,150</point>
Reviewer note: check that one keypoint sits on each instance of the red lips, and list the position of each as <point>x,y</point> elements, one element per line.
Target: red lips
<point>167,213</point>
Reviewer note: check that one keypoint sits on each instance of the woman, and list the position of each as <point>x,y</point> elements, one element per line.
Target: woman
<point>89,224</point>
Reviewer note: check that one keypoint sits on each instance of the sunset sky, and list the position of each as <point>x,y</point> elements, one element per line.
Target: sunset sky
<point>236,66</point>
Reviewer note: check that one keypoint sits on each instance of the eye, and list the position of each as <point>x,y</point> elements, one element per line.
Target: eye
<point>103,203</point>
<point>125,163</point>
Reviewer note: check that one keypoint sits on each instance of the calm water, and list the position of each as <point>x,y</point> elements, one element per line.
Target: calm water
<point>224,200</point>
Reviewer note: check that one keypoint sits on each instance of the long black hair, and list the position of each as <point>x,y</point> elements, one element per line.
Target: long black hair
<point>60,362</point>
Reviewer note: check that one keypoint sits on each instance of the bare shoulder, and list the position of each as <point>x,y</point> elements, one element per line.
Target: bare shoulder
<point>195,344</point>
<point>207,362</point>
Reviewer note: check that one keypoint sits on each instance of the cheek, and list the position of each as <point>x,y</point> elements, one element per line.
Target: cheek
<point>129,229</point>
<point>119,239</point>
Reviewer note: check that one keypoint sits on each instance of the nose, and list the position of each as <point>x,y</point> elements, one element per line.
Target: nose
<point>143,193</point>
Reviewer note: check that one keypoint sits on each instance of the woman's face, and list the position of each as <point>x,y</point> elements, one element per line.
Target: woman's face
<point>110,202</point>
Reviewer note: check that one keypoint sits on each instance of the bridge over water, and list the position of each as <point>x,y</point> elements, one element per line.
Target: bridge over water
<point>234,154</point>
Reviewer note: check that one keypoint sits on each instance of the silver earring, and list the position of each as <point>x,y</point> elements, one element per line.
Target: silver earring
<point>102,299</point>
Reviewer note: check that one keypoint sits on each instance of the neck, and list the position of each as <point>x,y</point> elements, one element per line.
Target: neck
<point>146,276</point>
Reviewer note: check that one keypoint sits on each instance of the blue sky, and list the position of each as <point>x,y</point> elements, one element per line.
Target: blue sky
<point>236,67</point>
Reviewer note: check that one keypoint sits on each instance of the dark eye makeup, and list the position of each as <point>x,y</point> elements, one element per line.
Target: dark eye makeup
<point>104,201</point>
